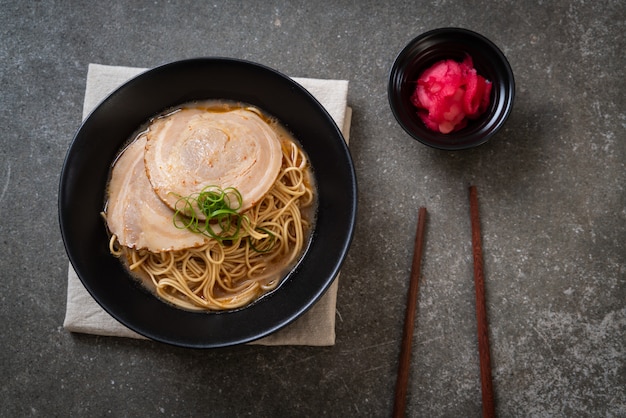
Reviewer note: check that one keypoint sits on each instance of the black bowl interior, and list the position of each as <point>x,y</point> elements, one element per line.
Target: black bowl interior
<point>97,142</point>
<point>451,43</point>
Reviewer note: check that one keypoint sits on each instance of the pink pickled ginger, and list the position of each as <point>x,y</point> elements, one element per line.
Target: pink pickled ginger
<point>450,93</point>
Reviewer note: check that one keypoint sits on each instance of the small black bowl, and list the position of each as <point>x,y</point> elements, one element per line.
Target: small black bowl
<point>451,43</point>
<point>100,139</point>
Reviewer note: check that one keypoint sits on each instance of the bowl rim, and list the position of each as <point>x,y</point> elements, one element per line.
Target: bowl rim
<point>275,322</point>
<point>468,140</point>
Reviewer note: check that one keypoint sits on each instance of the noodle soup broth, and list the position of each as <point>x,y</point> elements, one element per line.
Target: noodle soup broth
<point>211,261</point>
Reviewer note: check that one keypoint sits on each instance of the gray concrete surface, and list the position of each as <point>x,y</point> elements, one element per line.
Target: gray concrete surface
<point>553,209</point>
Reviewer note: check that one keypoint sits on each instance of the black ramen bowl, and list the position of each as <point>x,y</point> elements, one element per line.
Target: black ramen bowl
<point>98,141</point>
<point>451,43</point>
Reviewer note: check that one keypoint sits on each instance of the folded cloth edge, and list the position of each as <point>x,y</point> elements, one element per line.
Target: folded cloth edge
<point>315,328</point>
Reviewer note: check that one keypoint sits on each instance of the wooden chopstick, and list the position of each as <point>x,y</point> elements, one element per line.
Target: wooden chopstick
<point>481,309</point>
<point>404,366</point>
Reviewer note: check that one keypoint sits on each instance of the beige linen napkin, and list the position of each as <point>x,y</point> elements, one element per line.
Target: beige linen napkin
<point>315,328</point>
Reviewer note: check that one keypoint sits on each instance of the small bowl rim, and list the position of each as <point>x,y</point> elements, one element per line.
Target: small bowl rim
<point>503,93</point>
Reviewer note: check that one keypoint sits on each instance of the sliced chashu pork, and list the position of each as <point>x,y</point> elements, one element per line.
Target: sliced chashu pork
<point>194,148</point>
<point>136,214</point>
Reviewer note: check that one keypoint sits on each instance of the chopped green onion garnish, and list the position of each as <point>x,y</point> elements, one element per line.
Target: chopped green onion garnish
<point>267,243</point>
<point>219,207</point>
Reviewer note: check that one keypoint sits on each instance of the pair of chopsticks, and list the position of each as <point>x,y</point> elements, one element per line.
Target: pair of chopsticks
<point>481,313</point>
